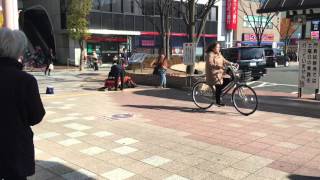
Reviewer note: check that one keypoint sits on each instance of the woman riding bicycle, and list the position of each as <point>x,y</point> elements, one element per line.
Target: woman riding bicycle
<point>215,71</point>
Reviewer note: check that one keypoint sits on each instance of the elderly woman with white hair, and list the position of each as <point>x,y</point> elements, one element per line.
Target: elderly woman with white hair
<point>20,108</point>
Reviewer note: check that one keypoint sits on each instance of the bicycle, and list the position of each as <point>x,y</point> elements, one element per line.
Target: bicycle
<point>243,97</point>
<point>32,64</point>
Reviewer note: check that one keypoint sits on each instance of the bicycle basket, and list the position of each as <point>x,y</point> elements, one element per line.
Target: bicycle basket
<point>244,76</point>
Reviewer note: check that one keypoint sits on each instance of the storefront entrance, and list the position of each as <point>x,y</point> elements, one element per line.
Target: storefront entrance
<point>108,47</point>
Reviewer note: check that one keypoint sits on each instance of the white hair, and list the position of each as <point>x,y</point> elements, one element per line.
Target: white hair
<point>12,43</point>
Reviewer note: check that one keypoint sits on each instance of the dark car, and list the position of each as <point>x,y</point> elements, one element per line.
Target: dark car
<point>249,58</point>
<point>276,57</point>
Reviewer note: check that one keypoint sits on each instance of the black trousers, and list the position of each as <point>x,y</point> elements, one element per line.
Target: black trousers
<point>219,88</point>
<point>47,70</point>
<point>95,66</point>
<point>117,82</point>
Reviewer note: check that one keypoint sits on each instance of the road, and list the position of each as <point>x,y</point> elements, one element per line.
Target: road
<point>282,79</point>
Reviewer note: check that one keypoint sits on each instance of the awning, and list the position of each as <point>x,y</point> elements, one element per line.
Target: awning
<point>285,5</point>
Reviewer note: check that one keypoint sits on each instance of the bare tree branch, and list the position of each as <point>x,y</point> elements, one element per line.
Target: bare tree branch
<point>260,22</point>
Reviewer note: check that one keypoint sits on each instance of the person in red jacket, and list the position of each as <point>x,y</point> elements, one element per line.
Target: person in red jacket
<point>162,65</point>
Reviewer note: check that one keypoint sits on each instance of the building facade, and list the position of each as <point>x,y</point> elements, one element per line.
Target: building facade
<point>247,17</point>
<point>118,24</point>
<point>113,25</point>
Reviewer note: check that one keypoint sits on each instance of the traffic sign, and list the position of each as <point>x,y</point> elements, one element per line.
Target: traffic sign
<point>189,53</point>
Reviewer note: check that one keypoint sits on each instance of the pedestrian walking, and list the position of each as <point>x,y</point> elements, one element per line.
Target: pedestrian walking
<point>20,108</point>
<point>49,62</point>
<point>215,70</point>
<point>95,61</point>
<point>162,66</point>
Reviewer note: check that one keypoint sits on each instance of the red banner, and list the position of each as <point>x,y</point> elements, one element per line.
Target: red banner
<point>231,14</point>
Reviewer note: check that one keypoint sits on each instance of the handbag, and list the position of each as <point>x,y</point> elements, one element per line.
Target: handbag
<point>156,70</point>
<point>51,67</point>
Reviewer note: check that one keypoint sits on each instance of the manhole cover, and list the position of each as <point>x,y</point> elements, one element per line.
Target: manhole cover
<point>116,117</point>
<point>121,116</point>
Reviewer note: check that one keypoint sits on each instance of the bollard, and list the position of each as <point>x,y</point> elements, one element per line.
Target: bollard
<point>50,90</point>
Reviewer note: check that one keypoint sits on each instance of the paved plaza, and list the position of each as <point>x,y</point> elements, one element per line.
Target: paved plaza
<point>148,133</point>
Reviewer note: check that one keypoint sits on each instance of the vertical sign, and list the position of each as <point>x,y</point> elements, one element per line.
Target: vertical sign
<point>231,14</point>
<point>189,53</point>
<point>309,52</point>
<point>315,35</point>
<point>1,14</point>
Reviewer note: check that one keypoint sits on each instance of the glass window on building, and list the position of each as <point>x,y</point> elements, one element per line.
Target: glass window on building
<point>107,22</point>
<point>176,10</point>
<point>63,14</point>
<point>128,6</point>
<point>117,6</point>
<point>102,5</point>
<point>137,7</point>
<point>157,10</point>
<point>213,16</point>
<point>200,8</point>
<point>149,7</point>
<point>257,21</point>
<point>95,20</point>
<point>96,5</point>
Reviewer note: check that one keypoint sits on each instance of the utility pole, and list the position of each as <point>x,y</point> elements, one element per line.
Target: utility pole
<point>10,14</point>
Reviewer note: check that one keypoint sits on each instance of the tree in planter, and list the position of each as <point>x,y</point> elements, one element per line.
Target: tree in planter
<point>164,27</point>
<point>194,18</point>
<point>77,22</point>
<point>258,23</point>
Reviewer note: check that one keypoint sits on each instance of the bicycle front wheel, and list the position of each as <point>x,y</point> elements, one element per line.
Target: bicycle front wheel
<point>203,95</point>
<point>245,100</point>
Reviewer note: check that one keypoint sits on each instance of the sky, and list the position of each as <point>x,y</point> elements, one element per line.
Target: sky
<point>0,5</point>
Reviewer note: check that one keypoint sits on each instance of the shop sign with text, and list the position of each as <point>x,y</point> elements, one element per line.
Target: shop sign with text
<point>252,37</point>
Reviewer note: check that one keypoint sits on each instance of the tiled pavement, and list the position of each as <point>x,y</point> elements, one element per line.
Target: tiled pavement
<point>139,134</point>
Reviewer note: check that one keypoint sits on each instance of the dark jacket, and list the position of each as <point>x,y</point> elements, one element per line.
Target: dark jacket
<point>116,71</point>
<point>20,108</point>
<point>49,58</point>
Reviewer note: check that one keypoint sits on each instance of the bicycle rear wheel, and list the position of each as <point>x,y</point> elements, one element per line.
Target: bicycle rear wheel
<point>203,95</point>
<point>245,100</point>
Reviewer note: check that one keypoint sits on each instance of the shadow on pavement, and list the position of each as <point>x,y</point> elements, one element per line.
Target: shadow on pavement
<point>299,177</point>
<point>275,104</point>
<point>177,108</point>
<point>56,170</point>
<point>290,106</point>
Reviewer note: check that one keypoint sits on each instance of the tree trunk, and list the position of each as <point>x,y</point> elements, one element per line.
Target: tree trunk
<point>192,29</point>
<point>258,36</point>
<point>168,34</point>
<point>163,45</point>
<point>81,53</point>
<point>168,47</point>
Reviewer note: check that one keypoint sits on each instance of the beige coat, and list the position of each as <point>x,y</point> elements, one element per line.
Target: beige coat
<point>215,64</point>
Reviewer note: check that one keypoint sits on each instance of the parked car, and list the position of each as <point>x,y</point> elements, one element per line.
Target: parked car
<point>276,57</point>
<point>249,58</point>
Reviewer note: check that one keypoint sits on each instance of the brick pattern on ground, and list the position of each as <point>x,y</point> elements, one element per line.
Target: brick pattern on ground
<point>166,139</point>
